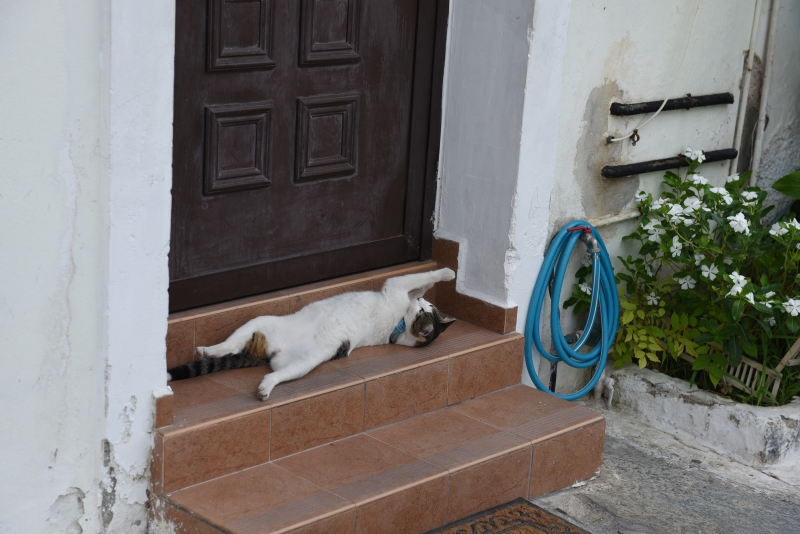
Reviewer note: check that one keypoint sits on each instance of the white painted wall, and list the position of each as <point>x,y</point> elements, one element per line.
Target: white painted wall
<point>781,143</point>
<point>85,155</point>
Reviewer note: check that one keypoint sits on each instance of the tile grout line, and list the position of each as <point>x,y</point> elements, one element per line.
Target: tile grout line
<point>530,474</point>
<point>567,430</point>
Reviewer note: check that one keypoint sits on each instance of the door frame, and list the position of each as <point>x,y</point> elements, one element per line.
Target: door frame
<point>426,119</point>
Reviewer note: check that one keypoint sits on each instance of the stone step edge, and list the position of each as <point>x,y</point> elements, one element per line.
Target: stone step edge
<point>509,338</point>
<point>319,287</point>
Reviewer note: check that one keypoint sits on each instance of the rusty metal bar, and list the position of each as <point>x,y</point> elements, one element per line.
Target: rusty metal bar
<point>687,102</point>
<point>618,171</point>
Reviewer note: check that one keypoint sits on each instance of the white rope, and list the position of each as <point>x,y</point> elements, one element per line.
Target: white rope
<point>685,53</point>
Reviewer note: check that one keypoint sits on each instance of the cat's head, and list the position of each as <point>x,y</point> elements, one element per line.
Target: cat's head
<point>424,321</point>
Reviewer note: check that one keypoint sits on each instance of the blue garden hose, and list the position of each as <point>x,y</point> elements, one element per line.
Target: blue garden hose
<point>604,299</point>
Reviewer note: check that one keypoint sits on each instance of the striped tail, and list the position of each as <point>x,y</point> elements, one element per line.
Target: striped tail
<point>212,365</point>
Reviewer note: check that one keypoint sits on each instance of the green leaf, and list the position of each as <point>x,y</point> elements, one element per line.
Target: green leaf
<point>656,331</point>
<point>701,362</point>
<point>793,323</point>
<point>640,313</point>
<point>627,317</point>
<point>789,185</point>
<point>704,338</point>
<point>763,309</point>
<point>675,321</point>
<point>735,351</point>
<point>738,309</point>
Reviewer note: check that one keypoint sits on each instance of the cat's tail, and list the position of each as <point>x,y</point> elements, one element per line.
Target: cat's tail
<point>255,353</point>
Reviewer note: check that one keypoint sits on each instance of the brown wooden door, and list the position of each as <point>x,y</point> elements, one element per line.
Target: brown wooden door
<point>301,141</point>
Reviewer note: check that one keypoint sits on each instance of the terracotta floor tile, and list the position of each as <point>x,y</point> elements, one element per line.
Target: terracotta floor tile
<point>361,468</point>
<point>323,379</point>
<point>488,484</point>
<point>406,394</point>
<point>512,407</point>
<point>366,354</point>
<point>242,380</point>
<point>198,391</point>
<point>566,459</point>
<point>263,499</point>
<point>445,252</point>
<point>395,362</point>
<point>213,329</point>
<point>180,343</point>
<point>311,422</point>
<point>484,370</point>
<point>215,450</point>
<point>450,440</point>
<point>165,410</point>
<point>187,524</point>
<point>342,523</point>
<point>433,432</point>
<point>157,464</point>
<point>413,511</point>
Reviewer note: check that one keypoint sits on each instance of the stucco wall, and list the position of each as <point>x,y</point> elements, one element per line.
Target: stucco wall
<point>85,155</point>
<point>781,144</point>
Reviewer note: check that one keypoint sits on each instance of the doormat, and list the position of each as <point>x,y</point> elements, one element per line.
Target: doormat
<point>515,517</point>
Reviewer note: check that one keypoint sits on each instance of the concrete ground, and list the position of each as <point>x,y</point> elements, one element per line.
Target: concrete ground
<point>650,483</point>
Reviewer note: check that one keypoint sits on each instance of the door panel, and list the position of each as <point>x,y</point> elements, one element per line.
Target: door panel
<point>301,130</point>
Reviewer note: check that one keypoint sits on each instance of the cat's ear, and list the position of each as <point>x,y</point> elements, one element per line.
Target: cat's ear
<point>445,322</point>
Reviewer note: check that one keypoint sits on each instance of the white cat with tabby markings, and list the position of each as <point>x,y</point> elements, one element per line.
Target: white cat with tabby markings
<point>327,329</point>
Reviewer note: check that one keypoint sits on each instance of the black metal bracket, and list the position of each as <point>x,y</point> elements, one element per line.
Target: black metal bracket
<point>688,102</point>
<point>619,171</point>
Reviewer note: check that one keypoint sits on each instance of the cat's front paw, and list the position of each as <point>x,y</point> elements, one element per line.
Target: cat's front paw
<point>201,352</point>
<point>265,388</point>
<point>447,274</point>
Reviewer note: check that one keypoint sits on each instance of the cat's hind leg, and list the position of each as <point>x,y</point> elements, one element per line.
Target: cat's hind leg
<point>235,343</point>
<point>288,367</point>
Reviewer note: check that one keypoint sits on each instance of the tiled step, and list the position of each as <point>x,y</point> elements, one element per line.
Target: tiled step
<point>406,477</point>
<point>221,427</point>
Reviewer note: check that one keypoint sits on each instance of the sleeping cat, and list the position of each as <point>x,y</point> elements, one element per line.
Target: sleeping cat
<point>326,330</point>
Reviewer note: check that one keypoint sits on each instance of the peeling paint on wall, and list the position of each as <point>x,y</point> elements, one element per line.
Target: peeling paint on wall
<point>67,511</point>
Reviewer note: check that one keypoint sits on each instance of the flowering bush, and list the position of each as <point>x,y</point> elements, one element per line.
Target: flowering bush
<point>709,281</point>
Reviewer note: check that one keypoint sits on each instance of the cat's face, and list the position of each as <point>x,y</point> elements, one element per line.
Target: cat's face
<point>425,322</point>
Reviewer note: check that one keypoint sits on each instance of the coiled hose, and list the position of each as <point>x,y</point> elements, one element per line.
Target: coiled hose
<point>604,300</point>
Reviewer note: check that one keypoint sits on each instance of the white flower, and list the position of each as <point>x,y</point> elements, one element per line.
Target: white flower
<point>749,298</point>
<point>732,178</point>
<point>719,190</point>
<point>658,203</point>
<point>771,321</point>
<point>652,299</point>
<point>751,196</point>
<point>735,290</point>
<point>641,195</point>
<point>727,261</point>
<point>587,260</point>
<point>738,279</point>
<point>656,238</point>
<point>727,199</point>
<point>709,272</point>
<point>777,229</point>
<point>688,221</point>
<point>586,289</point>
<point>698,258</point>
<point>676,247</point>
<point>797,246</point>
<point>697,179</point>
<point>699,156</point>
<point>675,209</point>
<point>647,270</point>
<point>686,282</point>
<point>770,294</point>
<point>655,233</point>
<point>791,306</point>
<point>688,153</point>
<point>740,224</point>
<point>794,223</point>
<point>692,204</point>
